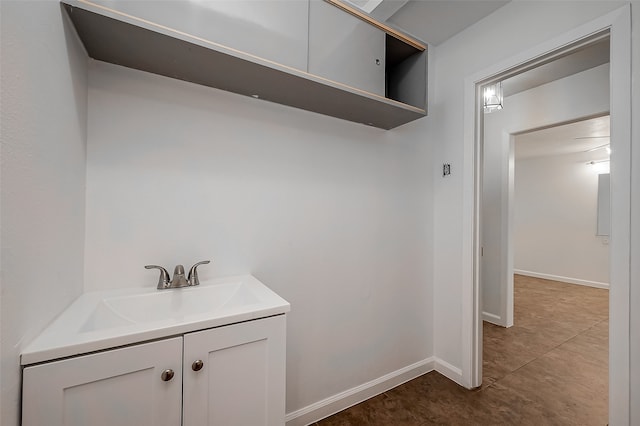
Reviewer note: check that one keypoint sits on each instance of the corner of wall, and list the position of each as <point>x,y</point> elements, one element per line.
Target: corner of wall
<point>43,134</point>
<point>358,394</point>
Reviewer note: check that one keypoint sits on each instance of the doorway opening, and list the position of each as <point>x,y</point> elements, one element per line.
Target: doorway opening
<point>615,26</point>
<point>550,342</point>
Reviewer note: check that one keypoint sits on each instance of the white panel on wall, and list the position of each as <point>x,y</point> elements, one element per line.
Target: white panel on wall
<point>346,49</point>
<point>276,30</point>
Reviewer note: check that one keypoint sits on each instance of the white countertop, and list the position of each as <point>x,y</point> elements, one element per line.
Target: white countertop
<point>107,319</point>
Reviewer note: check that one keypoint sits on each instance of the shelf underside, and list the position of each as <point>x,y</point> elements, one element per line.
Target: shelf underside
<point>134,46</point>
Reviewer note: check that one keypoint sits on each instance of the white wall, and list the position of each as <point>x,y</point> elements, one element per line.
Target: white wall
<point>43,129</point>
<point>635,215</point>
<point>580,95</point>
<point>555,215</point>
<point>332,215</point>
<point>42,79</point>
<point>514,28</point>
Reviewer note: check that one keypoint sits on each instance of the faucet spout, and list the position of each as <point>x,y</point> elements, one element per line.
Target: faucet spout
<point>178,280</point>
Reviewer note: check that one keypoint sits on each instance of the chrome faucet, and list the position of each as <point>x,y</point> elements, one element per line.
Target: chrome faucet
<point>178,280</point>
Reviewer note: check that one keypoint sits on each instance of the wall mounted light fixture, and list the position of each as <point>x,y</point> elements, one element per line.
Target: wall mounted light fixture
<point>492,95</point>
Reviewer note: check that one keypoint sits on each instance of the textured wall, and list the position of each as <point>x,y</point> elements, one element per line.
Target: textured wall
<point>43,132</point>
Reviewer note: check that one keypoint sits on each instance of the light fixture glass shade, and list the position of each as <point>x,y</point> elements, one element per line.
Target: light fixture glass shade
<point>492,95</point>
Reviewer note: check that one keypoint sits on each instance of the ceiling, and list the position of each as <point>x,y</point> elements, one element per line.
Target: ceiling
<point>434,21</point>
<point>572,138</point>
<point>431,21</point>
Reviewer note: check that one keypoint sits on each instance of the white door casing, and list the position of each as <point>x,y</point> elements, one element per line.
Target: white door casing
<point>618,23</point>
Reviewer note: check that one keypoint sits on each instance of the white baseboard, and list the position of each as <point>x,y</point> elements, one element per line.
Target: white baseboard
<point>449,371</point>
<point>321,409</point>
<point>493,319</point>
<point>562,279</point>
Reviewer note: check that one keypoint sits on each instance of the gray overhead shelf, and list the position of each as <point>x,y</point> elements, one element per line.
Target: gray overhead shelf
<point>124,40</point>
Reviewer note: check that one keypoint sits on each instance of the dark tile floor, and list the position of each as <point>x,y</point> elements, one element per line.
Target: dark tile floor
<point>550,368</point>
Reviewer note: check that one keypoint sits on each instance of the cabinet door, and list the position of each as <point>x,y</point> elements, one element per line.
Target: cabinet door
<point>275,30</point>
<point>346,49</point>
<point>118,387</point>
<point>242,379</point>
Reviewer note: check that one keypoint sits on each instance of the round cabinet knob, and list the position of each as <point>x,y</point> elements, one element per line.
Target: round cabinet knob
<point>377,61</point>
<point>167,375</point>
<point>197,365</point>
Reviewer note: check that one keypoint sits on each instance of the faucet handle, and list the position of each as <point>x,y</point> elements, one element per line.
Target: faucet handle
<point>163,281</point>
<point>193,273</point>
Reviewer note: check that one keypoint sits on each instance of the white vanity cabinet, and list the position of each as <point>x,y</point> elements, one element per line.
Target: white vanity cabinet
<point>118,387</point>
<point>345,49</point>
<point>230,375</point>
<point>242,375</point>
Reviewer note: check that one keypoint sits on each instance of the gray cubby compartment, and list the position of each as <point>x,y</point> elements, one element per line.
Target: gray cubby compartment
<point>130,42</point>
<point>405,73</point>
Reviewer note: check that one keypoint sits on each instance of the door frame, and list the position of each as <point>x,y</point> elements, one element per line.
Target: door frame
<point>618,25</point>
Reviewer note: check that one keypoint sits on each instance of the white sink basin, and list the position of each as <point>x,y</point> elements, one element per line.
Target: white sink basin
<point>101,320</point>
<point>176,304</point>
